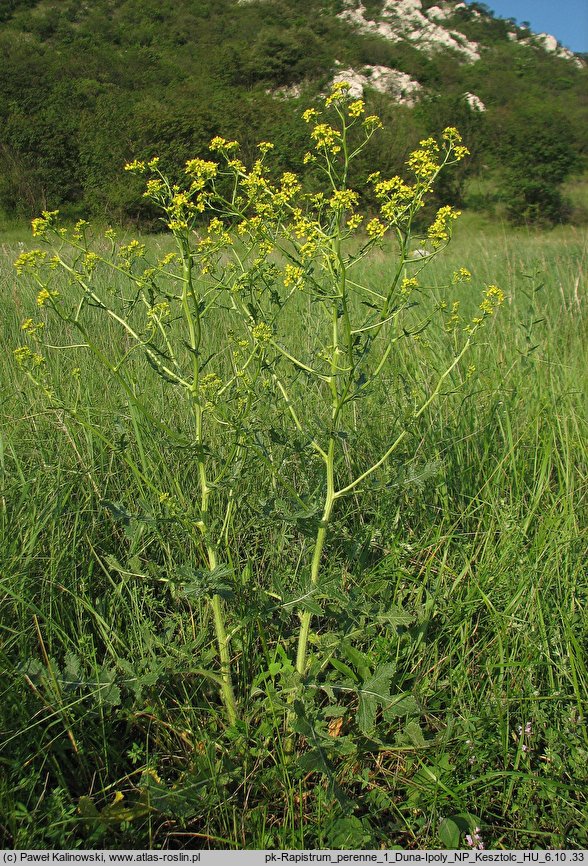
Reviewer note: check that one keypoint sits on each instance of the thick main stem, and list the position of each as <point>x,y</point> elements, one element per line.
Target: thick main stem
<point>306,616</point>
<point>228,695</point>
<point>193,322</point>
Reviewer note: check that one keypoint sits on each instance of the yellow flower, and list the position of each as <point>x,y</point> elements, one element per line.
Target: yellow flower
<point>222,145</point>
<point>30,259</point>
<point>309,115</point>
<point>372,122</point>
<point>461,276</point>
<point>292,275</point>
<point>375,229</point>
<point>408,284</point>
<point>261,332</point>
<point>455,319</point>
<point>160,311</point>
<point>45,295</point>
<point>137,165</point>
<point>451,135</point>
<point>421,162</point>
<point>133,250</point>
<point>357,108</point>
<point>327,137</point>
<point>339,91</point>
<point>42,223</point>
<point>24,356</point>
<point>493,298</point>
<point>343,199</point>
<point>354,221</point>
<point>167,259</point>
<point>439,231</point>
<point>154,186</point>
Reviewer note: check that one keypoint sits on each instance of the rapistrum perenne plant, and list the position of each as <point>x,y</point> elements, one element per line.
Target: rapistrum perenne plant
<point>249,247</point>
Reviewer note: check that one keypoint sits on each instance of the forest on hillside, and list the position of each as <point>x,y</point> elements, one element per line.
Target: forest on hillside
<point>87,87</point>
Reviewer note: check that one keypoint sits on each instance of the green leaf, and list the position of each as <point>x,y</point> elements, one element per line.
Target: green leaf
<point>401,705</point>
<point>108,691</point>
<point>374,693</point>
<point>413,732</point>
<point>344,669</point>
<point>200,583</point>
<point>449,833</point>
<point>349,833</point>
<point>359,660</point>
<point>119,512</point>
<point>395,616</point>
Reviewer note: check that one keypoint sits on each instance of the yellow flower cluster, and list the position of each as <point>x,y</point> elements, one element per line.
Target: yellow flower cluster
<point>289,187</point>
<point>453,140</point>
<point>408,285</point>
<point>292,275</point>
<point>153,187</point>
<point>422,162</point>
<point>160,311</point>
<point>79,229</point>
<point>141,166</point>
<point>343,199</point>
<point>137,165</point>
<point>309,115</point>
<point>132,250</point>
<point>209,385</point>
<point>372,122</point>
<point>326,137</point>
<point>42,223</point>
<point>394,194</point>
<point>25,357</point>
<point>439,231</point>
<point>201,171</point>
<point>31,327</point>
<point>493,298</point>
<point>356,109</point>
<point>338,92</point>
<point>375,228</point>
<point>222,145</point>
<point>91,259</point>
<point>461,276</point>
<point>46,295</point>
<point>354,221</point>
<point>167,260</point>
<point>453,322</point>
<point>29,260</point>
<point>261,332</point>
<point>216,228</point>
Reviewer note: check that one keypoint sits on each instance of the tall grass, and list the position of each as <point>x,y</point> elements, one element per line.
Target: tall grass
<point>473,545</point>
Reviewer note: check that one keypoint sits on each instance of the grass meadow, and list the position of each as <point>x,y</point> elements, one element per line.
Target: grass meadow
<point>465,569</point>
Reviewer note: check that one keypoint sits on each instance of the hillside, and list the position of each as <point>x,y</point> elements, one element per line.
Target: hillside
<point>85,87</point>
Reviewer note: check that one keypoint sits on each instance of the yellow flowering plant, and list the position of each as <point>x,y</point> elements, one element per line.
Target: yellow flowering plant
<point>258,247</point>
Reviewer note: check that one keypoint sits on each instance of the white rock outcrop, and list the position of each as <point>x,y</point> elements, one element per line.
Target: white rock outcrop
<point>401,87</point>
<point>474,102</point>
<point>550,44</point>
<point>405,20</point>
<point>439,13</point>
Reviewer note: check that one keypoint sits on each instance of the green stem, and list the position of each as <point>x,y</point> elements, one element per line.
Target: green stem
<point>194,329</point>
<point>227,692</point>
<point>306,616</point>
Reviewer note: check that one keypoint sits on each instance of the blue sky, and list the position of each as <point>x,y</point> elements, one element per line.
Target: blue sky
<point>567,20</point>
